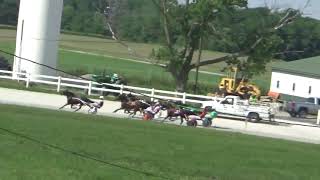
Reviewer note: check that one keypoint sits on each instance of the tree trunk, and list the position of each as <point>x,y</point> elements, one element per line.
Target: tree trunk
<point>181,80</point>
<point>195,90</point>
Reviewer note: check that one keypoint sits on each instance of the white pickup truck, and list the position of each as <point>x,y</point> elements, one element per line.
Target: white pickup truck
<point>232,106</point>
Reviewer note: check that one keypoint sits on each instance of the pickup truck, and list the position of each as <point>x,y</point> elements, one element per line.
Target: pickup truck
<point>302,109</point>
<point>232,106</point>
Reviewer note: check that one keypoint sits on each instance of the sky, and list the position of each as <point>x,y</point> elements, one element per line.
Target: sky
<point>313,10</point>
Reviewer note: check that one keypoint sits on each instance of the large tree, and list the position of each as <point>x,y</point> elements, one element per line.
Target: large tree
<point>8,11</point>
<point>184,24</point>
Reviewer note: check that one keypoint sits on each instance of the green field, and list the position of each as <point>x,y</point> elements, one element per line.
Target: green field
<point>161,150</point>
<point>137,74</point>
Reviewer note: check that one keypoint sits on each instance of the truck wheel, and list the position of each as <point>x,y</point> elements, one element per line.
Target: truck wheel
<point>206,123</point>
<point>253,117</point>
<point>302,113</point>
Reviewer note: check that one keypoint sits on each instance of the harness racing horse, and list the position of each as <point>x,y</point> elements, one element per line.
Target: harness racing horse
<point>74,100</point>
<point>182,113</point>
<point>131,103</point>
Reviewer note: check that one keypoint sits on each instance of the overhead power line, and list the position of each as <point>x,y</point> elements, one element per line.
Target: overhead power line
<point>73,75</point>
<point>75,153</point>
<point>71,40</point>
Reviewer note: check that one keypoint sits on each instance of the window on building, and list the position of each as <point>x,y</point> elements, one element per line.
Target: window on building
<point>293,86</point>
<point>278,84</point>
<point>310,90</point>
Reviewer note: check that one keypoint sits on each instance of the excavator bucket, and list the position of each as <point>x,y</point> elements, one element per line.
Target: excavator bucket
<point>274,95</point>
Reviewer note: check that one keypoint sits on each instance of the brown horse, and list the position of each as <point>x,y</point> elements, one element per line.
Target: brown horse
<point>129,104</point>
<point>74,100</point>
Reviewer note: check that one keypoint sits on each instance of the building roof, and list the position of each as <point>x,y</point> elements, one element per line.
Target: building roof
<point>309,67</point>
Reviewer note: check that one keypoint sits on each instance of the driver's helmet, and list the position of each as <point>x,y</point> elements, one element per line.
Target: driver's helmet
<point>115,76</point>
<point>213,114</point>
<point>156,102</point>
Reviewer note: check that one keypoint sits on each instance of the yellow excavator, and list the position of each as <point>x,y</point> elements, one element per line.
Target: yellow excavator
<point>232,85</point>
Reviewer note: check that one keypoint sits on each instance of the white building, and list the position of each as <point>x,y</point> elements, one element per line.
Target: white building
<point>297,78</point>
<point>38,35</point>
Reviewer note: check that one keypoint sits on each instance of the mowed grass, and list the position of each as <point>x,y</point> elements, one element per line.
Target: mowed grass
<point>105,46</point>
<point>145,75</point>
<point>161,150</point>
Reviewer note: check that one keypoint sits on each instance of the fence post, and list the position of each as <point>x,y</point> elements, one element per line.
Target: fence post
<point>121,89</point>
<point>184,97</point>
<point>14,75</point>
<point>318,118</point>
<point>176,94</point>
<point>152,94</point>
<point>89,88</point>
<point>59,84</point>
<point>28,80</point>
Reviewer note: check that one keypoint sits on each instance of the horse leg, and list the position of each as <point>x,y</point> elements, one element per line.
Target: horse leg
<point>127,110</point>
<point>195,124</point>
<point>80,106</point>
<point>181,120</point>
<point>133,113</point>
<point>117,110</point>
<point>165,118</point>
<point>64,105</point>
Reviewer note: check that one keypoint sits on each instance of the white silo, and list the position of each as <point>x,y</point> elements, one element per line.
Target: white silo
<point>37,37</point>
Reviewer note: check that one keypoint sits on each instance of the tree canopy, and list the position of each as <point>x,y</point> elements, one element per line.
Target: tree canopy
<point>251,36</point>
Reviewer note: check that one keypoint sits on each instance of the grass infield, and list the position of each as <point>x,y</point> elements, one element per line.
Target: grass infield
<point>127,149</point>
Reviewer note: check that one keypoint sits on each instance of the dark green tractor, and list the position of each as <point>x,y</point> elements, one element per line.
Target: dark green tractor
<point>108,79</point>
<point>101,78</point>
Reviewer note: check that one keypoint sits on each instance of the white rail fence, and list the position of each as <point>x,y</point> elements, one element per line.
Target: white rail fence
<point>91,86</point>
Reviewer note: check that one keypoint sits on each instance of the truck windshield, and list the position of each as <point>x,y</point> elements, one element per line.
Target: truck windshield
<point>310,100</point>
<point>227,101</point>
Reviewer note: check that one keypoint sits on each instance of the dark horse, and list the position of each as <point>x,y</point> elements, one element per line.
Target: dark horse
<point>73,100</point>
<point>182,113</point>
<point>129,103</point>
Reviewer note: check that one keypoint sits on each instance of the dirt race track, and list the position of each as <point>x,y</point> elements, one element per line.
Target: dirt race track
<point>282,129</point>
